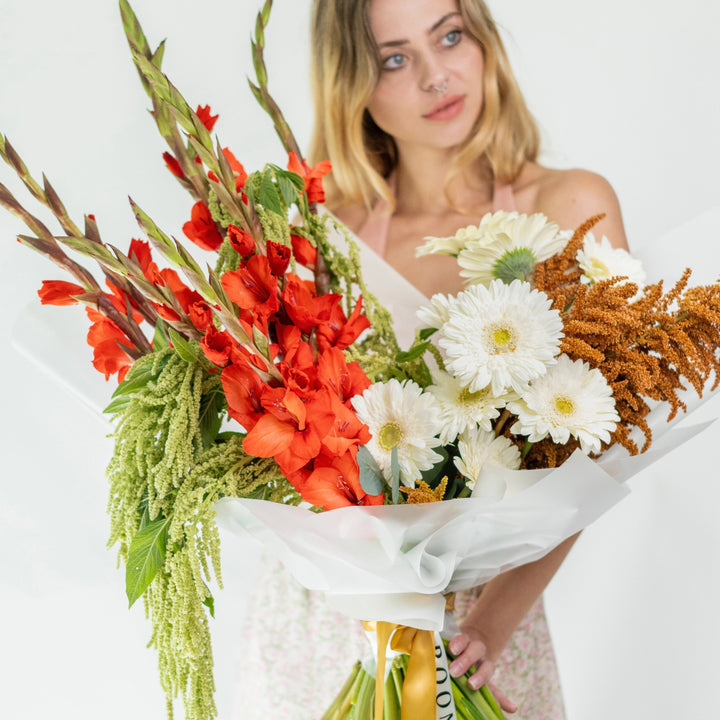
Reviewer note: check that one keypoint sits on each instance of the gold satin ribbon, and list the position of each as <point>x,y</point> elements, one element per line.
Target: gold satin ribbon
<point>418,693</point>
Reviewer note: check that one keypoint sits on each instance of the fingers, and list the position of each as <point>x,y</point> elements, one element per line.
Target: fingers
<point>503,700</point>
<point>468,653</point>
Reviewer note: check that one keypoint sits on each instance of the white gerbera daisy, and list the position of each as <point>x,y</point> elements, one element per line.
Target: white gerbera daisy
<point>601,261</point>
<point>482,233</point>
<point>479,447</point>
<point>460,409</point>
<point>437,314</point>
<point>503,336</point>
<point>402,415</point>
<point>570,399</point>
<point>516,244</point>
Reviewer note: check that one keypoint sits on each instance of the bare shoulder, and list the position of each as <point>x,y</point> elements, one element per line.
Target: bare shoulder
<point>570,197</point>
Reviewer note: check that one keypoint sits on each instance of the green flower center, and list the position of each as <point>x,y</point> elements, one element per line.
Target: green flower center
<point>516,264</point>
<point>564,405</point>
<point>390,435</point>
<point>465,397</point>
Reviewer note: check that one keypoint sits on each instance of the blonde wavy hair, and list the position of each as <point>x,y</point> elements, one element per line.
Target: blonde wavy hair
<point>345,67</point>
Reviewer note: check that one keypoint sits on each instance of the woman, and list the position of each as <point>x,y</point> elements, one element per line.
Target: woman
<point>420,115</point>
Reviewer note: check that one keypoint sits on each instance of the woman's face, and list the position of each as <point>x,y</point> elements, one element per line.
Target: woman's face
<point>430,88</point>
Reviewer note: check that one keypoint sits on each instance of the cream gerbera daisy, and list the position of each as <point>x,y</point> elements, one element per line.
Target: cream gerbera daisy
<point>400,415</point>
<point>460,409</point>
<point>437,313</point>
<point>478,448</point>
<point>502,336</point>
<point>518,243</point>
<point>570,399</point>
<point>601,261</point>
<point>482,233</point>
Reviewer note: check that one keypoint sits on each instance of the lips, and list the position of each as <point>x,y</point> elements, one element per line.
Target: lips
<point>446,109</point>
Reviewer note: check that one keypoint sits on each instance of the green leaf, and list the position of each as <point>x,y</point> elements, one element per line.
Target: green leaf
<point>139,376</point>
<point>371,477</point>
<point>212,407</point>
<point>395,469</point>
<point>119,404</point>
<point>268,196</point>
<point>431,475</point>
<point>145,557</point>
<point>288,190</point>
<point>425,333</point>
<point>413,353</point>
<point>159,340</point>
<point>209,602</point>
<point>182,347</point>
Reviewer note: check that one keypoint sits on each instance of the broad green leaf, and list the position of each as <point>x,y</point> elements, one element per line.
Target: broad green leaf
<point>268,196</point>
<point>182,347</point>
<point>117,405</point>
<point>288,190</point>
<point>145,557</point>
<point>371,477</point>
<point>395,469</point>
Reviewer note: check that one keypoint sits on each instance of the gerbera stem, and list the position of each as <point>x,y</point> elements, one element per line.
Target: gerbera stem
<point>501,422</point>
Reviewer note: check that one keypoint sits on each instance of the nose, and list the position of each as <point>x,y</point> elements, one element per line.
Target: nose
<point>434,74</point>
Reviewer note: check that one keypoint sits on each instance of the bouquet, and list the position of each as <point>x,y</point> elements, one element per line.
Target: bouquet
<point>276,376</point>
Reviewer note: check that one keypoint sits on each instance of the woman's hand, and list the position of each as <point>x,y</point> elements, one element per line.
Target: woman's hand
<point>468,651</point>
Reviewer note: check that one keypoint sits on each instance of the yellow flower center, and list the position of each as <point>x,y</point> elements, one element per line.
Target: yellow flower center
<point>564,405</point>
<point>390,435</point>
<point>599,267</point>
<point>502,339</point>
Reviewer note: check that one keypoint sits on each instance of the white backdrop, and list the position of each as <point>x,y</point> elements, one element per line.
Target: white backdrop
<point>629,94</point>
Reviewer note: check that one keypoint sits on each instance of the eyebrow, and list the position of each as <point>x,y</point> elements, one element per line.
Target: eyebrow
<point>396,43</point>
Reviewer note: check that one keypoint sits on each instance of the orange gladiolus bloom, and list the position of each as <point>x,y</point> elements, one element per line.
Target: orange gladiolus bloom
<point>312,177</point>
<point>206,117</point>
<point>59,292</point>
<point>201,228</point>
<point>253,287</point>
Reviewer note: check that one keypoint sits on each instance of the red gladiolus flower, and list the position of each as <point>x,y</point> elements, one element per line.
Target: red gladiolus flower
<point>253,286</point>
<point>335,482</point>
<point>238,171</point>
<point>303,308</point>
<point>241,241</point>
<point>140,252</point>
<point>201,228</point>
<point>59,292</point>
<point>303,251</point>
<point>173,165</point>
<point>312,177</point>
<point>206,118</point>
<point>347,430</point>
<point>344,379</point>
<point>217,346</point>
<point>243,390</point>
<point>200,315</point>
<point>105,337</point>
<point>340,332</point>
<point>278,256</point>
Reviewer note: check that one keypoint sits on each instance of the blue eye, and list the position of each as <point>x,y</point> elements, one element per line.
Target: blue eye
<point>393,62</point>
<point>452,38</point>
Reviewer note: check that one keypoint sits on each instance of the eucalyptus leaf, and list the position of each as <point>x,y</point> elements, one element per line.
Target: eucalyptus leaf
<point>145,557</point>
<point>371,477</point>
<point>395,469</point>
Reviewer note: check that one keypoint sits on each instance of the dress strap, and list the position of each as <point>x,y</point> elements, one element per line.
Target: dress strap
<point>503,198</point>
